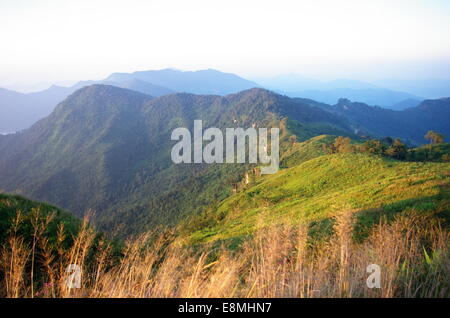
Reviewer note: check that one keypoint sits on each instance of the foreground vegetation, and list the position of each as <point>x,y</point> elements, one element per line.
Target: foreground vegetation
<point>278,261</point>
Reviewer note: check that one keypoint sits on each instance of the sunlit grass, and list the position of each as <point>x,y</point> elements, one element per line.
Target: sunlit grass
<point>313,190</point>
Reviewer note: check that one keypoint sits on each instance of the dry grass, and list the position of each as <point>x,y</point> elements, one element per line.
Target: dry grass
<point>412,252</point>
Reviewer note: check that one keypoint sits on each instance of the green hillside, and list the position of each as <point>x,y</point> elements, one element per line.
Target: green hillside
<point>299,152</point>
<point>313,191</point>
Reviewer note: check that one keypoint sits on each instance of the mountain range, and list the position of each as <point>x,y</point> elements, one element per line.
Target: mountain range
<point>19,111</point>
<point>430,88</point>
<point>330,92</point>
<point>108,148</point>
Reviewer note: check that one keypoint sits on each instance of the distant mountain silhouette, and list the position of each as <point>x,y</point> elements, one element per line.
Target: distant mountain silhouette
<point>331,91</point>
<point>132,83</point>
<point>196,82</point>
<point>296,83</point>
<point>429,88</point>
<point>378,97</point>
<point>19,111</point>
<point>405,104</point>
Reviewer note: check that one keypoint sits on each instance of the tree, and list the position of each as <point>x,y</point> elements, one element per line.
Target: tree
<point>341,145</point>
<point>434,137</point>
<point>374,146</point>
<point>397,150</point>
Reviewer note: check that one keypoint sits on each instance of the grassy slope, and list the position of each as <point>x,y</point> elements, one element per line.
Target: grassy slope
<point>300,152</point>
<point>313,191</point>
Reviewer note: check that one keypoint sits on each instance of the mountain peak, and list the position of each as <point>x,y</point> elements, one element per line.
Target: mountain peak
<point>258,90</point>
<point>253,94</point>
<point>100,96</point>
<point>343,101</point>
<point>104,89</point>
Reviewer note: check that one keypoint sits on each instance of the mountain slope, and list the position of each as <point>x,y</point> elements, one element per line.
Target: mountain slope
<point>433,111</point>
<point>64,157</point>
<point>312,191</point>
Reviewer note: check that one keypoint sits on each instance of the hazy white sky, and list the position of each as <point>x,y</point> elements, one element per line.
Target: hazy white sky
<point>47,41</point>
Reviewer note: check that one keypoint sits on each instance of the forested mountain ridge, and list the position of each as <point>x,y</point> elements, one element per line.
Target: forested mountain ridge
<point>108,149</point>
<point>411,124</point>
<point>19,111</point>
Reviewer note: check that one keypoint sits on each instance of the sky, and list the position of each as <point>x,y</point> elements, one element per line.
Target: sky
<point>59,42</point>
